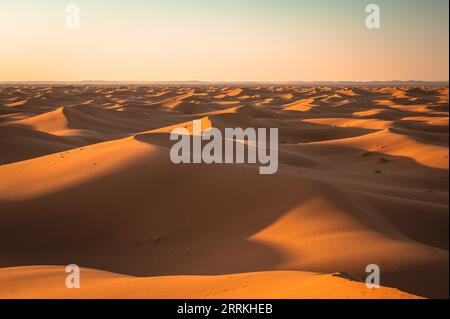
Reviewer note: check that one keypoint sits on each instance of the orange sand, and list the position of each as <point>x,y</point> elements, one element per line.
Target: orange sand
<point>86,178</point>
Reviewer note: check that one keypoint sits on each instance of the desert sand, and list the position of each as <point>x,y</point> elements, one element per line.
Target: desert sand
<point>86,178</point>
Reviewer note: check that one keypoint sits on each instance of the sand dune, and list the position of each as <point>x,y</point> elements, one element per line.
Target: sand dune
<point>87,179</point>
<point>286,285</point>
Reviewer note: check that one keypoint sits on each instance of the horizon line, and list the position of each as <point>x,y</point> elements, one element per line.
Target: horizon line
<point>221,82</point>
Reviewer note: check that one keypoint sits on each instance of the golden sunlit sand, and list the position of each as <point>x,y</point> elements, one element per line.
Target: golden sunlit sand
<point>86,178</point>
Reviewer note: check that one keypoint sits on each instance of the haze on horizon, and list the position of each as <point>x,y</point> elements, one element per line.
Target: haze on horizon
<point>224,40</point>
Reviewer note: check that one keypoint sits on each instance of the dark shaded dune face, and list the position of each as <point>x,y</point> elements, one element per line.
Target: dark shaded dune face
<point>21,143</point>
<point>86,178</point>
<point>441,107</point>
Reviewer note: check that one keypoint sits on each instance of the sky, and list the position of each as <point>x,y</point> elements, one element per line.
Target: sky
<point>224,40</point>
